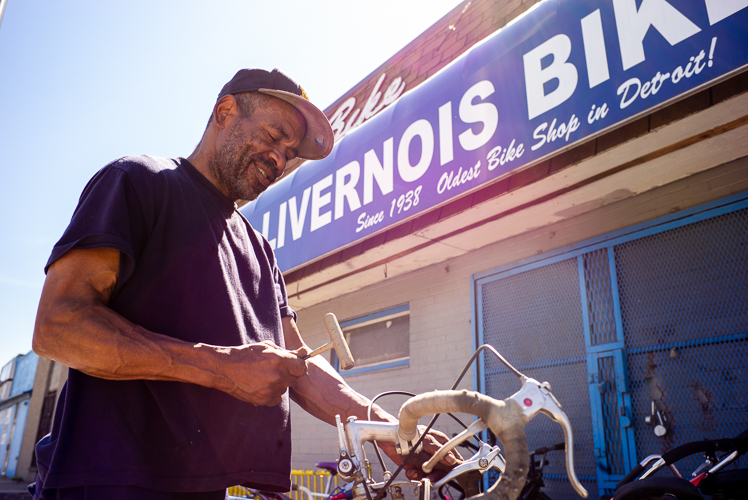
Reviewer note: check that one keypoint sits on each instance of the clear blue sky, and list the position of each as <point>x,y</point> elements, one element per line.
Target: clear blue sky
<point>85,82</point>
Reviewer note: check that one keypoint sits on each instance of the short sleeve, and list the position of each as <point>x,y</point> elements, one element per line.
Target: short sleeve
<point>108,215</point>
<point>282,294</point>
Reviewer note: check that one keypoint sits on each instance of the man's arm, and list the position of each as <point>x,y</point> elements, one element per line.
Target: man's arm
<point>324,394</point>
<point>75,326</point>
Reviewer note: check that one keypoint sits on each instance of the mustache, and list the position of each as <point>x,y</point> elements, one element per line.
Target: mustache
<point>248,159</point>
<point>268,163</point>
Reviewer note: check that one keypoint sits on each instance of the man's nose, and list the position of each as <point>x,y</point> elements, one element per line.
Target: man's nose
<point>279,159</point>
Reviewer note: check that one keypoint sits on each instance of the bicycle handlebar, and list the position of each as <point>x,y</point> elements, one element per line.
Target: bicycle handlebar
<point>506,419</point>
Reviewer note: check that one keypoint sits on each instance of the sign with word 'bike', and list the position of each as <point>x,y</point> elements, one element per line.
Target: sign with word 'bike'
<point>564,71</point>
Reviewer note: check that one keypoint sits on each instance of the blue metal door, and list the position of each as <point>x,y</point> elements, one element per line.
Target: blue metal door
<point>650,321</point>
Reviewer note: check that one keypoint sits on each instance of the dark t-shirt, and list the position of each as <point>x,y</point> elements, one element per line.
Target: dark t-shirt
<point>191,267</point>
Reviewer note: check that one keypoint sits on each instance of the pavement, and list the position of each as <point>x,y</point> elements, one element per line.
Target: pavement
<point>13,490</point>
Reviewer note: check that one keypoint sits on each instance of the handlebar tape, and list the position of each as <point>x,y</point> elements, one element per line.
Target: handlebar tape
<point>708,446</point>
<point>504,418</point>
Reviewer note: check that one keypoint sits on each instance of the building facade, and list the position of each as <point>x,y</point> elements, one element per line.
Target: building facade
<point>29,388</point>
<point>568,189</point>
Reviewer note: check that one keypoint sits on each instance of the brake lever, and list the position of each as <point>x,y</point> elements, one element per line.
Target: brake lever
<point>535,398</point>
<point>486,458</point>
<point>476,427</point>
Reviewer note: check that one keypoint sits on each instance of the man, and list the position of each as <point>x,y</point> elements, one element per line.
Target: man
<point>173,316</point>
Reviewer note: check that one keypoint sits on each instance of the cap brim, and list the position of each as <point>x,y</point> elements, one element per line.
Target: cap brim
<point>319,139</point>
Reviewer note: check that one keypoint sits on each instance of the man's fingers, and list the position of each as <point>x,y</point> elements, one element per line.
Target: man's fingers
<point>431,445</point>
<point>296,366</point>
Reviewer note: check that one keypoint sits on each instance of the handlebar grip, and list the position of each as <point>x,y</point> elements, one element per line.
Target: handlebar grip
<point>633,474</point>
<point>706,446</point>
<point>504,418</point>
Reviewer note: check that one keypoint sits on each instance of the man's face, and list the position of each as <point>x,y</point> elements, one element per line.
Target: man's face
<point>255,150</point>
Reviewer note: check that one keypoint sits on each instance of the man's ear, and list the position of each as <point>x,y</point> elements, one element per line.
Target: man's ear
<point>225,109</point>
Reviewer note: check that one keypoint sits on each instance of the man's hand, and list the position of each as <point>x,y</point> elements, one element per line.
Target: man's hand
<point>431,444</point>
<point>260,373</point>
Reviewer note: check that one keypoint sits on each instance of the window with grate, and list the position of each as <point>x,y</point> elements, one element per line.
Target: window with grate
<point>378,341</point>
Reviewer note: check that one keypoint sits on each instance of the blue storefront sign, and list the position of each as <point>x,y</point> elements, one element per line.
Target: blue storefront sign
<point>563,72</point>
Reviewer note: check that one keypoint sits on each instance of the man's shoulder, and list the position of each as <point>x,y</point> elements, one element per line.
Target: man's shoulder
<point>143,164</point>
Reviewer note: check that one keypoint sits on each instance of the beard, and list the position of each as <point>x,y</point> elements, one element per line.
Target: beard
<point>232,167</point>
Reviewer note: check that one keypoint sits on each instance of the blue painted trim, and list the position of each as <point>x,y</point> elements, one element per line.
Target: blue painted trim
<point>605,347</point>
<point>688,216</point>
<point>585,303</point>
<point>474,338</point>
<point>600,455</point>
<point>628,441</point>
<point>394,310</point>
<point>616,298</point>
<point>542,364</point>
<point>510,270</point>
<point>384,366</point>
<point>481,341</point>
<point>690,343</point>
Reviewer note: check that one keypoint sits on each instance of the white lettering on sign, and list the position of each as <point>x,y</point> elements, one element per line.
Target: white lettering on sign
<point>381,171</point>
<point>266,229</point>
<point>474,108</point>
<point>554,133</point>
<point>342,123</point>
<point>484,112</point>
<point>594,49</point>
<point>717,10</point>
<point>405,201</point>
<point>498,156</point>
<point>319,200</point>
<point>538,102</point>
<point>446,140</point>
<point>282,225</point>
<point>298,216</point>
<point>452,179</point>
<point>365,221</point>
<point>597,113</point>
<point>408,172</point>
<point>633,88</point>
<point>633,25</point>
<point>346,190</point>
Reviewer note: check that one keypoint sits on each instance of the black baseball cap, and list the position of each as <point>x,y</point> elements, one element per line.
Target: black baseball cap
<point>319,139</point>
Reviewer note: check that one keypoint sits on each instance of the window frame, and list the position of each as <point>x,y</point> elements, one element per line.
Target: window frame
<point>378,317</point>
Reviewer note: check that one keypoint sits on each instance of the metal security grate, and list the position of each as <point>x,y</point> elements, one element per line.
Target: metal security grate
<point>645,322</point>
<point>684,305</point>
<point>599,297</point>
<point>610,405</point>
<point>534,319</point>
